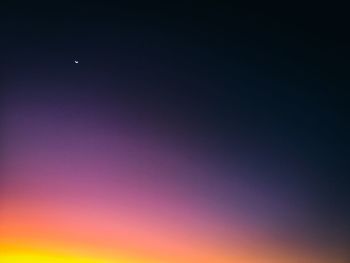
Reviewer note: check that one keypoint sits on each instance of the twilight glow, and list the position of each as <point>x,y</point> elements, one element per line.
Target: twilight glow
<point>80,189</point>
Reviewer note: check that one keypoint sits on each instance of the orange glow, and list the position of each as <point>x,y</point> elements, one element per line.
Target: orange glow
<point>28,235</point>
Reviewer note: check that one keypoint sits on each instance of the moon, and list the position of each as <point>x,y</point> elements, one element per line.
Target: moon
<point>76,61</point>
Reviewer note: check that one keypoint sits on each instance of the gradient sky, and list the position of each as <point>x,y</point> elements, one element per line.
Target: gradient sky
<point>186,134</point>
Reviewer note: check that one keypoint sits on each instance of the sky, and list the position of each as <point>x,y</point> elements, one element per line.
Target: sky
<point>187,132</point>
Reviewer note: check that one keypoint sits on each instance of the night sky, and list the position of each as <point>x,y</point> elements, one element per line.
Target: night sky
<point>187,133</point>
